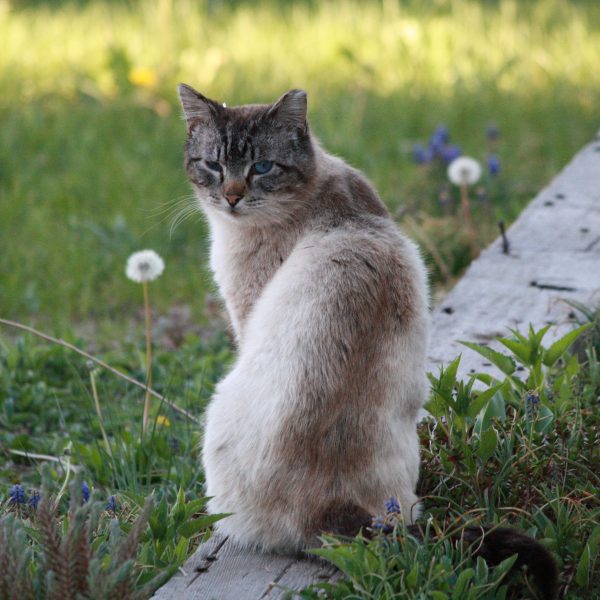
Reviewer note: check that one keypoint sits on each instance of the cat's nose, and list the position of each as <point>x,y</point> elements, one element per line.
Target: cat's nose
<point>234,192</point>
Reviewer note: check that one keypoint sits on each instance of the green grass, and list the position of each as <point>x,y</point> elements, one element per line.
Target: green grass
<point>90,170</point>
<point>89,159</point>
<point>521,451</point>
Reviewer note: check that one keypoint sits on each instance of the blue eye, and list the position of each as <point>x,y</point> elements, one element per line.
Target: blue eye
<point>213,166</point>
<point>262,167</point>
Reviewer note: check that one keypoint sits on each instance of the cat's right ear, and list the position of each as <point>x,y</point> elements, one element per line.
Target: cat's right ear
<point>196,107</point>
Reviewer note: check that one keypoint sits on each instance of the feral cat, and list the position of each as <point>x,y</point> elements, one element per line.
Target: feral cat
<point>315,425</point>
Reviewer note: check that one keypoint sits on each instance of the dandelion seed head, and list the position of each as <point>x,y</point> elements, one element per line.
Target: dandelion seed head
<point>464,170</point>
<point>145,265</point>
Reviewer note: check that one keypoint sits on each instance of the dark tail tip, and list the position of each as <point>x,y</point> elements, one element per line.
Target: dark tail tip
<point>342,518</point>
<point>500,543</point>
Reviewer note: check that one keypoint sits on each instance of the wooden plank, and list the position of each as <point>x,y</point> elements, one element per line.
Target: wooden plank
<point>300,574</point>
<point>554,256</point>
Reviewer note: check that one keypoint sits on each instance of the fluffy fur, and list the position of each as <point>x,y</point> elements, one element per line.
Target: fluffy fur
<point>314,427</point>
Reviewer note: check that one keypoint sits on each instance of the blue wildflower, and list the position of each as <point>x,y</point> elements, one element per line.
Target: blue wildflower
<point>492,132</point>
<point>35,499</point>
<point>379,523</point>
<point>421,155</point>
<point>16,494</point>
<point>392,506</point>
<point>493,163</point>
<point>440,136</point>
<point>449,152</point>
<point>112,504</point>
<point>85,491</point>
<point>532,399</point>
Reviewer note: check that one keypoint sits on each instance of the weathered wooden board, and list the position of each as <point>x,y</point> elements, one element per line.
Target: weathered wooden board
<point>554,256</point>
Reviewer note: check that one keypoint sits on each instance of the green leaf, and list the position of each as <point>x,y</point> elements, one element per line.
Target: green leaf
<point>158,520</point>
<point>552,354</point>
<point>505,363</point>
<point>520,349</point>
<point>487,444</point>
<point>544,420</point>
<point>194,526</point>
<point>582,576</point>
<point>462,581</point>
<point>481,400</point>
<point>412,577</point>
<point>495,408</point>
<point>194,506</point>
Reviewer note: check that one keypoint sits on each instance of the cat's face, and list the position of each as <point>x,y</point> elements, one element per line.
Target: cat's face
<point>250,163</point>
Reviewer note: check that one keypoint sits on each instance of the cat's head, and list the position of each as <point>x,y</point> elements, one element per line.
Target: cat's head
<point>250,163</point>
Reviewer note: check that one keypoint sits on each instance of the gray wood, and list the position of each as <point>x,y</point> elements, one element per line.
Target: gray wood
<point>300,574</point>
<point>554,257</point>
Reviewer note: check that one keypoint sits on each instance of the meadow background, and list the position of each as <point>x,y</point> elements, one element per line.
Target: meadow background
<point>91,137</point>
<point>91,170</point>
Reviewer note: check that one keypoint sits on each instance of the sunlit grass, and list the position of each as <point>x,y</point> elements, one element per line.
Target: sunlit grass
<point>90,144</point>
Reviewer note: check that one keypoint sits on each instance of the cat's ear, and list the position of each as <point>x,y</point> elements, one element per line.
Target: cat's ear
<point>196,107</point>
<point>290,110</point>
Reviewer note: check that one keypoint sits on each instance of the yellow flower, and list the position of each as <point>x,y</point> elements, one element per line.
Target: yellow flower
<point>162,420</point>
<point>143,77</point>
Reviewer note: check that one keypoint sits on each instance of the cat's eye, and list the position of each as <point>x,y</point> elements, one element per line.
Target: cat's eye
<point>262,167</point>
<point>213,166</point>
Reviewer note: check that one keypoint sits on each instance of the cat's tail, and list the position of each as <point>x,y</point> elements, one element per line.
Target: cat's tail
<point>493,544</point>
<point>499,543</point>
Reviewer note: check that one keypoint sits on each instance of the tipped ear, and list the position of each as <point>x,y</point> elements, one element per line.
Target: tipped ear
<point>196,107</point>
<point>290,109</point>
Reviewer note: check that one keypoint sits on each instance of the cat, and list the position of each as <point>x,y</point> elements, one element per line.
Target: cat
<point>314,428</point>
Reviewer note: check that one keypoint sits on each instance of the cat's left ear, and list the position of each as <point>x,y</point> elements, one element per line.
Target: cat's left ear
<point>290,110</point>
<point>196,107</point>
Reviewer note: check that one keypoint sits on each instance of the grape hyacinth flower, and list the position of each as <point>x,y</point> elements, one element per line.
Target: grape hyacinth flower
<point>493,163</point>
<point>142,267</point>
<point>379,523</point>
<point>392,506</point>
<point>421,155</point>
<point>112,504</point>
<point>16,495</point>
<point>439,139</point>
<point>449,153</point>
<point>85,492</point>
<point>34,500</point>
<point>463,172</point>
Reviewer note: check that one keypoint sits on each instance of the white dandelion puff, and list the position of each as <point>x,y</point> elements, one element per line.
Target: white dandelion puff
<point>145,265</point>
<point>464,170</point>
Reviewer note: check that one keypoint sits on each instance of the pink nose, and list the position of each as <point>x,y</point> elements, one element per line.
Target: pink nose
<point>233,199</point>
<point>234,191</point>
